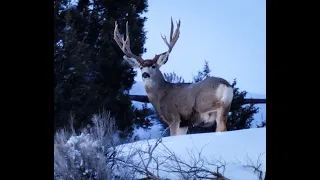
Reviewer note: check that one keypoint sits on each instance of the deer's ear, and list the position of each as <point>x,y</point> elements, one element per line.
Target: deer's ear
<point>132,61</point>
<point>163,58</point>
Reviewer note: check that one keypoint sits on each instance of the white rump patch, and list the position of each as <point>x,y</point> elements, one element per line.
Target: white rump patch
<point>225,93</point>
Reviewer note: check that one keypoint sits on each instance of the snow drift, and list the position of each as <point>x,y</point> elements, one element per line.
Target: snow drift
<point>97,154</point>
<point>242,153</point>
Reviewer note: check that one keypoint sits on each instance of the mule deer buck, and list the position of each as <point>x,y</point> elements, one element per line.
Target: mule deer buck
<point>198,104</point>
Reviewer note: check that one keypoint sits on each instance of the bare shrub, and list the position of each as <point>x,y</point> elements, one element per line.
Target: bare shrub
<point>151,164</point>
<point>256,166</point>
<point>86,156</point>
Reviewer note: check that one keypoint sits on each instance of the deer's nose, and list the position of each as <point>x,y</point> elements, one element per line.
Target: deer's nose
<point>145,75</point>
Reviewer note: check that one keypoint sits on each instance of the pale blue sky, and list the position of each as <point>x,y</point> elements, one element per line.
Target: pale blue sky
<point>229,34</point>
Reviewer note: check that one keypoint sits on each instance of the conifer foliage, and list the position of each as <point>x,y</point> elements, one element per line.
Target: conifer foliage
<point>89,72</point>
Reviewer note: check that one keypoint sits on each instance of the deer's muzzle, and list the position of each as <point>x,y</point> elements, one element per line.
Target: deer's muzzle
<point>145,75</point>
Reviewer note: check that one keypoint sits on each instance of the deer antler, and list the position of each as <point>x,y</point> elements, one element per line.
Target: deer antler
<point>175,37</point>
<point>125,44</point>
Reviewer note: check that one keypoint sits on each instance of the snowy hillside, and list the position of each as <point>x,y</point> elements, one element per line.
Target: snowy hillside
<point>138,89</point>
<point>240,151</point>
<point>236,155</point>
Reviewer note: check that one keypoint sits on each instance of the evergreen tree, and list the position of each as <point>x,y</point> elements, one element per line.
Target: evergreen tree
<point>263,124</point>
<point>89,71</point>
<point>242,116</point>
<point>69,65</point>
<point>142,122</point>
<point>173,78</point>
<point>204,73</point>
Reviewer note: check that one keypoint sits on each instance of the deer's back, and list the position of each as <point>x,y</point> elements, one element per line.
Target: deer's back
<point>190,99</point>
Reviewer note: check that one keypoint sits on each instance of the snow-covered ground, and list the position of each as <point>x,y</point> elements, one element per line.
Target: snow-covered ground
<point>241,155</point>
<point>240,150</point>
<point>154,131</point>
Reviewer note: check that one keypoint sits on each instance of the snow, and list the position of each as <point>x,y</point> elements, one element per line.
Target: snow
<point>83,141</point>
<point>235,148</point>
<point>154,131</point>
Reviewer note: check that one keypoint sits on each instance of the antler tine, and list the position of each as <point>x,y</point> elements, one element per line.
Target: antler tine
<point>125,44</point>
<point>171,30</point>
<point>174,38</point>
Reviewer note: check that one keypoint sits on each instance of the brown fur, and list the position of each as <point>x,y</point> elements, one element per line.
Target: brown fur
<point>186,102</point>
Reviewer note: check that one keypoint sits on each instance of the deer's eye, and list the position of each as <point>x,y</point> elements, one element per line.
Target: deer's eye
<point>153,66</point>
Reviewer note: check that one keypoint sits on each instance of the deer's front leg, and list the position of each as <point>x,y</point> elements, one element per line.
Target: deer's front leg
<point>182,131</point>
<point>175,126</point>
<point>174,129</point>
<point>222,116</point>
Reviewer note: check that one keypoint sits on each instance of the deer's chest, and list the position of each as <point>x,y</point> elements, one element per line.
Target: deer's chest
<point>155,102</point>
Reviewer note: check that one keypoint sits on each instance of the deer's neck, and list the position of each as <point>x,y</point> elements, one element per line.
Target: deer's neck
<point>156,87</point>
